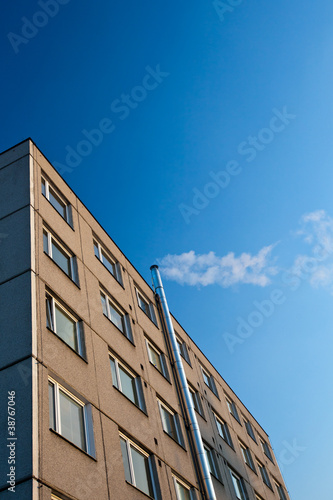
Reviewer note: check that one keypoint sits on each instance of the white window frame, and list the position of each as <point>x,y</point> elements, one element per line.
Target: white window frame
<point>232,408</point>
<point>183,349</point>
<point>176,422</point>
<point>126,320</point>
<point>162,358</point>
<point>190,489</point>
<point>136,379</point>
<point>149,309</point>
<point>236,478</point>
<point>51,303</point>
<point>67,206</point>
<point>73,274</point>
<point>247,456</point>
<point>196,398</point>
<point>152,479</point>
<point>209,381</point>
<point>87,418</point>
<point>115,265</point>
<point>264,474</point>
<point>223,430</point>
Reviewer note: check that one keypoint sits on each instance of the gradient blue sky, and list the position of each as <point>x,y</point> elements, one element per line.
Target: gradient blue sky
<point>224,75</point>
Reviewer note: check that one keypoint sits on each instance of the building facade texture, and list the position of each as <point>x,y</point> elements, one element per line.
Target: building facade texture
<point>91,405</point>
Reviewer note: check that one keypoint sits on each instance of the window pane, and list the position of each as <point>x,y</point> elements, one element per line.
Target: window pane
<point>128,385</point>
<point>206,378</point>
<point>58,204</point>
<point>209,460</point>
<point>234,411</point>
<point>221,429</point>
<point>141,471</point>
<point>116,318</point>
<point>49,316</point>
<point>195,398</point>
<point>103,299</point>
<point>246,456</point>
<point>125,460</point>
<point>155,358</point>
<point>66,327</point>
<point>168,423</point>
<point>143,305</point>
<point>45,242</point>
<point>107,262</point>
<point>51,406</point>
<point>71,420</point>
<point>238,487</point>
<point>113,372</point>
<point>249,429</point>
<point>43,187</point>
<point>282,496</point>
<point>266,450</point>
<point>182,492</point>
<point>61,258</point>
<point>96,250</point>
<point>179,347</point>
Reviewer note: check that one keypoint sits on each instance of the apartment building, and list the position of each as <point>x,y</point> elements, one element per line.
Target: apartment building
<point>91,403</point>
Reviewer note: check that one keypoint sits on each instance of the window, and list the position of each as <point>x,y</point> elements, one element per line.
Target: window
<point>57,200</point>
<point>108,261</point>
<point>212,460</point>
<point>232,408</point>
<point>196,398</point>
<point>171,423</point>
<point>249,429</point>
<point>64,324</point>
<point>282,495</point>
<point>158,359</point>
<point>183,349</point>
<point>60,255</point>
<point>127,383</point>
<point>264,474</point>
<point>223,430</point>
<point>209,380</point>
<point>140,468</point>
<point>265,449</point>
<point>70,417</point>
<point>146,306</point>
<point>258,497</point>
<point>183,491</point>
<point>239,485</point>
<point>247,456</point>
<point>118,317</point>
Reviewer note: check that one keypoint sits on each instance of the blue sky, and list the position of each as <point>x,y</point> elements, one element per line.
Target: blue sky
<point>182,94</point>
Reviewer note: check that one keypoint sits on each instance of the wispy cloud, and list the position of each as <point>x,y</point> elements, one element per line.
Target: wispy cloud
<point>317,231</point>
<point>316,266</point>
<point>208,269</point>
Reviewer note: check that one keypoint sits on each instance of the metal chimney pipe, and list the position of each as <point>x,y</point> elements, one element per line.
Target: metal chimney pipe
<point>159,290</point>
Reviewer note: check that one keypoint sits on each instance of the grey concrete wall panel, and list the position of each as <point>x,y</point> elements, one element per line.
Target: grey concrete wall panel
<point>15,153</point>
<point>15,320</point>
<point>16,378</point>
<point>15,244</point>
<point>14,182</point>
